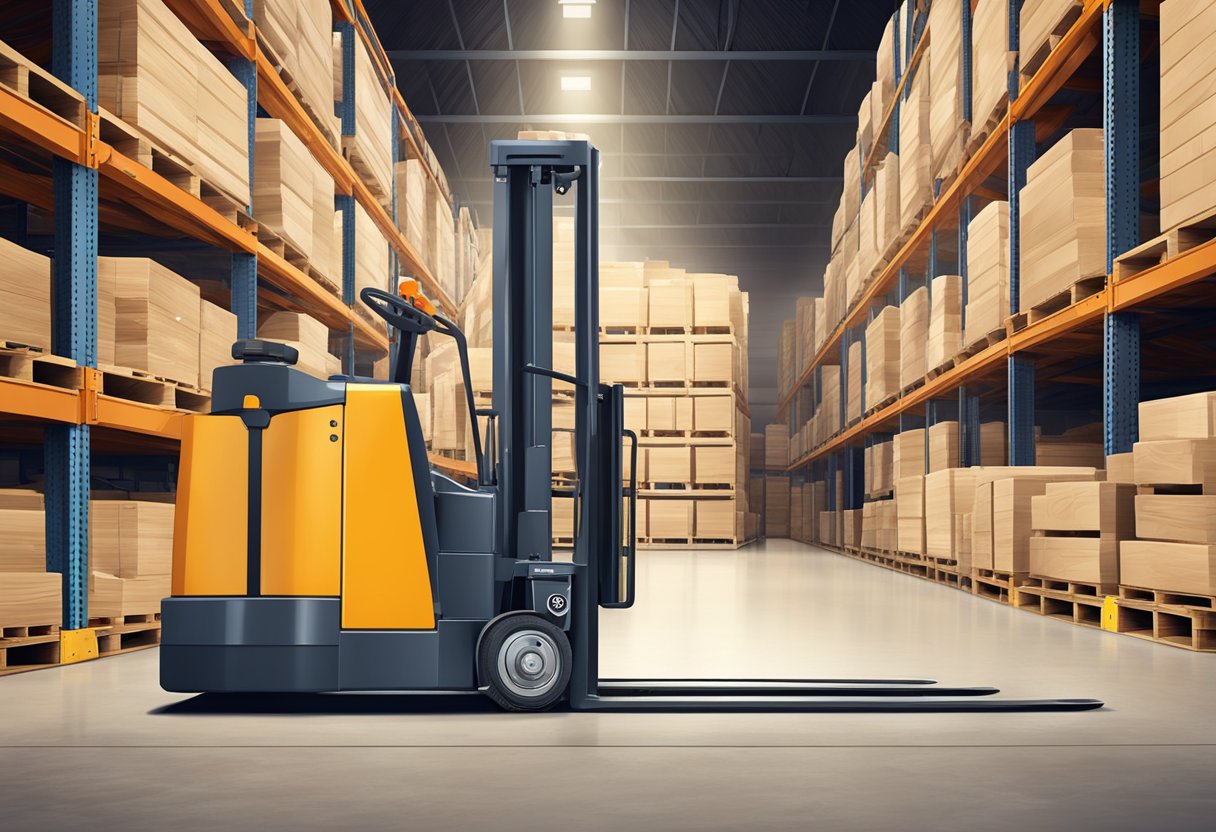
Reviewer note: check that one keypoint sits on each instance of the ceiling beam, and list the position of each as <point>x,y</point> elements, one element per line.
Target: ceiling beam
<point>832,119</point>
<point>588,55</point>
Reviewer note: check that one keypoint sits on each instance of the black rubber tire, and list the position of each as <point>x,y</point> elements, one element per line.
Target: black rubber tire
<point>498,689</point>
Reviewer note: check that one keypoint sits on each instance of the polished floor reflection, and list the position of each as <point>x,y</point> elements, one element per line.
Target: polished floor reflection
<point>100,746</point>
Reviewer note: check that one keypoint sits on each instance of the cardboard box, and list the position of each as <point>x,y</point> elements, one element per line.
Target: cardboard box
<point>111,596</point>
<point>913,332</point>
<point>776,446</point>
<point>665,362</point>
<point>713,413</point>
<point>25,296</point>
<point>669,463</point>
<point>715,360</point>
<point>306,334</point>
<point>915,150</point>
<point>947,129</point>
<point>910,514</point>
<point>30,599</point>
<point>1063,217</point>
<point>156,317</point>
<point>714,464</point>
<point>623,363</point>
<point>22,540</point>
<point>717,520</point>
<point>1011,501</point>
<point>882,357</point>
<point>945,333</point>
<point>1188,172</point>
<point>671,303</point>
<point>943,446</point>
<point>131,538</point>
<point>670,519</point>
<point>987,268</point>
<point>216,334</point>
<point>776,506</point>
<point>908,454</point>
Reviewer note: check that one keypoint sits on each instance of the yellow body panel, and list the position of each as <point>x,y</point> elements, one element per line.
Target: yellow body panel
<point>302,503</point>
<point>209,528</point>
<point>385,580</point>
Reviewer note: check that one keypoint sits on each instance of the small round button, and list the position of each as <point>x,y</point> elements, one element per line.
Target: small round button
<point>333,437</point>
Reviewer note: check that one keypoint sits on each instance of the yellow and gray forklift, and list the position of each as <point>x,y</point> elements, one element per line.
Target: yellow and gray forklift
<point>316,550</point>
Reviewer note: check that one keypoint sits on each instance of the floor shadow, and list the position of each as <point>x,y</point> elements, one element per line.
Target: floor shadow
<point>321,704</point>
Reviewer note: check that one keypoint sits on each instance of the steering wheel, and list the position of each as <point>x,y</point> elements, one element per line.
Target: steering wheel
<point>397,311</point>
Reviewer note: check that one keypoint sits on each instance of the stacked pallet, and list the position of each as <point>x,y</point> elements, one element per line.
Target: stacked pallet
<point>947,129</point>
<point>155,75</point>
<point>155,319</point>
<point>1063,219</point>
<point>370,149</point>
<point>300,35</point>
<point>945,331</point>
<point>293,198</point>
<point>130,556</point>
<point>987,274</point>
<point>29,595</point>
<point>677,342</point>
<point>1188,181</point>
<point>915,148</point>
<point>1041,23</point>
<point>25,296</point>
<point>882,357</point>
<point>1174,463</point>
<point>913,334</point>
<point>989,61</point>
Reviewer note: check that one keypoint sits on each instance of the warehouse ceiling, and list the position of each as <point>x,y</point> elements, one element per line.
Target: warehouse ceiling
<point>723,123</point>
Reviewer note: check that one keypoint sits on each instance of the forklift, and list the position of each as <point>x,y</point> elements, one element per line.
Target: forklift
<point>316,549</point>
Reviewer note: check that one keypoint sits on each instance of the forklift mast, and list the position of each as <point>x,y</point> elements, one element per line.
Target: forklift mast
<point>526,176</point>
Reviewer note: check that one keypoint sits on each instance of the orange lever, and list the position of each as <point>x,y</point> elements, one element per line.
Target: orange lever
<point>411,291</point>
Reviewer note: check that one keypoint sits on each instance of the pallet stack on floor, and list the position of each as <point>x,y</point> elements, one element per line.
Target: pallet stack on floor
<point>677,342</point>
<point>177,118</point>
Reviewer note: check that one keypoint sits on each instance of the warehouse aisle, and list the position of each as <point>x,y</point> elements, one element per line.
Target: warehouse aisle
<point>133,757</point>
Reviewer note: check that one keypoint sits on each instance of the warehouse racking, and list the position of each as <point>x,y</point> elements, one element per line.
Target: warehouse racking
<point>1098,63</point>
<point>57,123</point>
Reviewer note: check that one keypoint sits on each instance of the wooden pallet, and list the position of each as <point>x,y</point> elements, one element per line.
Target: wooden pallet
<point>1195,232</point>
<point>1079,291</point>
<point>886,401</point>
<point>979,135</point>
<point>996,585</point>
<point>690,543</point>
<point>1072,601</point>
<point>1034,54</point>
<point>983,343</point>
<point>365,172</point>
<point>1176,619</point>
<point>646,433</point>
<point>324,122</point>
<point>28,648</point>
<point>139,386</point>
<point>30,363</point>
<point>297,258</point>
<point>122,634</point>
<point>132,143</point>
<point>26,79</point>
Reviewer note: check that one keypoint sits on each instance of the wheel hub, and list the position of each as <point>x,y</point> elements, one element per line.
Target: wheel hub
<point>529,663</point>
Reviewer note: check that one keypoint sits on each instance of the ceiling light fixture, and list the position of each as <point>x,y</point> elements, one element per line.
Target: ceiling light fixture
<point>576,9</point>
<point>576,83</point>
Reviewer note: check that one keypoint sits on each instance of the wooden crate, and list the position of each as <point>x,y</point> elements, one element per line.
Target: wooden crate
<point>22,539</point>
<point>131,538</point>
<point>1180,417</point>
<point>155,75</point>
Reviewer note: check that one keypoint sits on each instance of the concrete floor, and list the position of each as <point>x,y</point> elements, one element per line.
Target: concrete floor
<point>99,746</point>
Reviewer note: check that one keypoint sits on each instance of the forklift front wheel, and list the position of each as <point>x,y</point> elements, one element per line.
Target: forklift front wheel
<point>525,663</point>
